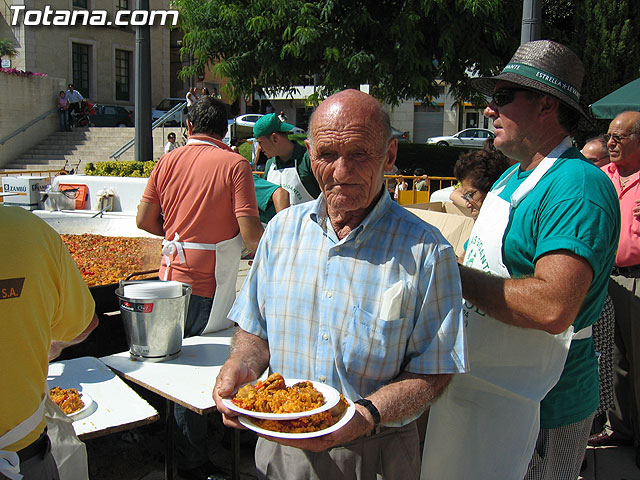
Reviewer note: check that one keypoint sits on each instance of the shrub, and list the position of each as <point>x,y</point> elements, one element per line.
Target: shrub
<point>115,168</point>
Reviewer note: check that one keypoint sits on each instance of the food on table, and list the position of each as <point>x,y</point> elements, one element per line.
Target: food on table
<point>105,260</point>
<point>311,423</point>
<point>273,396</point>
<point>68,399</point>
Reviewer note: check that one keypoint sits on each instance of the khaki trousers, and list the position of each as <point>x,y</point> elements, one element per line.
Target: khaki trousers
<point>393,454</point>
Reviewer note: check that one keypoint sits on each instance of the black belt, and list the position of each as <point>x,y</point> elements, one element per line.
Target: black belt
<point>39,447</point>
<point>632,272</point>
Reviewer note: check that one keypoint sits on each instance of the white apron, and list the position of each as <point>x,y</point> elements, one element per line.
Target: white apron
<point>228,254</point>
<point>9,461</point>
<point>486,423</point>
<point>289,179</point>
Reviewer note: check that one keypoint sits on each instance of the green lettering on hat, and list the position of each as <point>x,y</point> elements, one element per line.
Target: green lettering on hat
<point>541,76</point>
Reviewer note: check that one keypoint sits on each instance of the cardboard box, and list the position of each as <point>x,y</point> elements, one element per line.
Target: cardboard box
<point>453,222</point>
<point>24,191</point>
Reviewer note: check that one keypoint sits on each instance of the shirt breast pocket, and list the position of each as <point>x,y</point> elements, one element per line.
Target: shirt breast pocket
<point>374,348</point>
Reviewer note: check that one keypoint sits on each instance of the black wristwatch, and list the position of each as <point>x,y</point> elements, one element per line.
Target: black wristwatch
<point>372,410</point>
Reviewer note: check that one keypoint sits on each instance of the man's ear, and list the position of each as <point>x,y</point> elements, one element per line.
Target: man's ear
<point>190,127</point>
<point>391,155</point>
<point>548,105</point>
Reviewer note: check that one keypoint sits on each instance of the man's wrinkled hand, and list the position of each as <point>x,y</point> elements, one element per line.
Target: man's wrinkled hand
<point>358,426</point>
<point>232,374</point>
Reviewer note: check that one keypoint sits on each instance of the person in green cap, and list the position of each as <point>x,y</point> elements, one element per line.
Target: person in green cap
<point>288,165</point>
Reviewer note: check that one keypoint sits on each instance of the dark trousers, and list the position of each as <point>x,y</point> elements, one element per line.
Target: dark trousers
<point>73,108</point>
<point>191,427</point>
<point>623,417</point>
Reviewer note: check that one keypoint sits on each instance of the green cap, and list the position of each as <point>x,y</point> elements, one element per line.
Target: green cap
<point>267,124</point>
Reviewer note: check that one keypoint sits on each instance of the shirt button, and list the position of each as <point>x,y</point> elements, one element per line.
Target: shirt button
<point>325,337</point>
<point>337,249</point>
<point>323,379</point>
<point>329,294</point>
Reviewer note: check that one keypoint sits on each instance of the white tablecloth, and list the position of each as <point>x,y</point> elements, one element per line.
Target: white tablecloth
<point>187,379</point>
<point>117,407</point>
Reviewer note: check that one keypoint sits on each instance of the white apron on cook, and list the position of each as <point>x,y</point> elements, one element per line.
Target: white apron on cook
<point>289,179</point>
<point>9,461</point>
<point>486,423</point>
<point>228,253</point>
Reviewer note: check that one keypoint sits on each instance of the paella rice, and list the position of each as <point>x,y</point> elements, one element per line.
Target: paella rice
<point>68,399</point>
<point>273,396</point>
<point>311,423</point>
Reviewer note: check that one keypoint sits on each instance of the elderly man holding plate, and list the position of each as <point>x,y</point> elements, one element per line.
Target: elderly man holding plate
<point>368,302</point>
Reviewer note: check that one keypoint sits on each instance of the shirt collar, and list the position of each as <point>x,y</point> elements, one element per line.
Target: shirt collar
<point>318,215</point>
<point>207,138</point>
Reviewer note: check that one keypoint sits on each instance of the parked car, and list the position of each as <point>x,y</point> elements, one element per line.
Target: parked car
<point>111,116</point>
<point>470,137</point>
<point>400,135</point>
<point>178,118</point>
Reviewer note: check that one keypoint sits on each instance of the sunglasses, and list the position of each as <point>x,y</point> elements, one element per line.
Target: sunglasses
<point>616,137</point>
<point>505,96</point>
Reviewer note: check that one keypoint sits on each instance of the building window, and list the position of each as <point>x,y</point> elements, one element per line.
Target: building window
<point>123,69</point>
<point>80,3</point>
<point>122,4</point>
<point>80,63</point>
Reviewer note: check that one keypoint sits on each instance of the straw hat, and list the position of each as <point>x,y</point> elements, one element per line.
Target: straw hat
<point>544,66</point>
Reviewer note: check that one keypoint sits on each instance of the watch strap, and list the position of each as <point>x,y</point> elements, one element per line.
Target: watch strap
<point>368,404</point>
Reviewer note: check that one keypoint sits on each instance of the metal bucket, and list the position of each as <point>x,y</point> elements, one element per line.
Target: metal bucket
<point>154,327</point>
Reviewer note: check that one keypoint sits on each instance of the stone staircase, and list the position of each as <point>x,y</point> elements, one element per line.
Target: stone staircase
<point>82,145</point>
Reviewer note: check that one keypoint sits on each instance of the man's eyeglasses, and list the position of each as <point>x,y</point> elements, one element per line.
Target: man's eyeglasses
<point>616,137</point>
<point>505,96</point>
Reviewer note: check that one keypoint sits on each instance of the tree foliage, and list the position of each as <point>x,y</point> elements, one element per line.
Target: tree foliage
<point>607,44</point>
<point>399,47</point>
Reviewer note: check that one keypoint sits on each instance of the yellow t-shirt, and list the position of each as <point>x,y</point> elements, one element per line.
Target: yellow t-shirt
<point>42,297</point>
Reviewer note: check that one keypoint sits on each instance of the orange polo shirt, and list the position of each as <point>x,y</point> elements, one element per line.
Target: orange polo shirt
<point>629,246</point>
<point>201,189</point>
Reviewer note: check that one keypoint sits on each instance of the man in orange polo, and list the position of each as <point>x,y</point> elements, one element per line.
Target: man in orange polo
<point>201,199</point>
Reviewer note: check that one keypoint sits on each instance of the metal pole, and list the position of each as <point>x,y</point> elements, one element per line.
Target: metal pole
<point>144,138</point>
<point>531,20</point>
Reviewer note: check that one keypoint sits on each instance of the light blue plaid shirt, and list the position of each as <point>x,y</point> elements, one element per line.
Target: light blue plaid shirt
<point>317,299</point>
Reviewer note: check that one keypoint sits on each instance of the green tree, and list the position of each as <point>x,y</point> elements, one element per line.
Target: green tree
<point>399,47</point>
<point>607,44</point>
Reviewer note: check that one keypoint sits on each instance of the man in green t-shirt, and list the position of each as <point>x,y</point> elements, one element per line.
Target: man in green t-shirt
<point>288,165</point>
<point>539,259</point>
<point>271,198</point>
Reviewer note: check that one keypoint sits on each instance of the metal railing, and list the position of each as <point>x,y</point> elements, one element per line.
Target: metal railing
<point>158,123</point>
<point>26,126</point>
<point>32,173</point>
<point>410,195</point>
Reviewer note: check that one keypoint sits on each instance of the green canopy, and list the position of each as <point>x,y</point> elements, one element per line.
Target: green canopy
<point>618,101</point>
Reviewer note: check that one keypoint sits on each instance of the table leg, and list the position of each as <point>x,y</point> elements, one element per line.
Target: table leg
<point>169,442</point>
<point>235,465</point>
